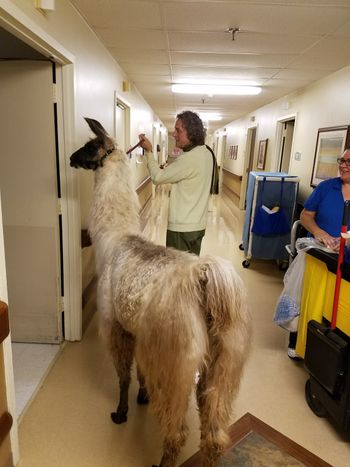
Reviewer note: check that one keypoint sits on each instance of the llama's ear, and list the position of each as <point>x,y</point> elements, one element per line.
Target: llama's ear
<point>96,128</point>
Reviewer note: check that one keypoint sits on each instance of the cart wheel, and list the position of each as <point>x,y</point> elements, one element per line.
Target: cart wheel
<point>241,247</point>
<point>314,404</point>
<point>283,266</point>
<point>246,263</point>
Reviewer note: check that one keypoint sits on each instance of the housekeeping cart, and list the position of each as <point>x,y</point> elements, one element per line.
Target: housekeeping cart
<point>270,208</point>
<point>327,354</point>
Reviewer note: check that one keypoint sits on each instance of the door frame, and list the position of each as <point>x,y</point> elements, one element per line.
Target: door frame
<point>24,28</point>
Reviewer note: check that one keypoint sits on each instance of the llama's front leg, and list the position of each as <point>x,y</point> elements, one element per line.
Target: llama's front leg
<point>122,349</point>
<point>121,414</point>
<point>142,396</point>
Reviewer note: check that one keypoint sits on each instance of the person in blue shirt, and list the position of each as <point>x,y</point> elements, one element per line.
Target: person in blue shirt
<point>322,216</point>
<point>323,210</point>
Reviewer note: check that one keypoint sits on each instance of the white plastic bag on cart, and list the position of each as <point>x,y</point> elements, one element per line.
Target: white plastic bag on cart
<point>288,305</point>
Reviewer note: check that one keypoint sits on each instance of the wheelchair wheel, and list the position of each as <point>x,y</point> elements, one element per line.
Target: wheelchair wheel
<point>246,263</point>
<point>241,247</point>
<point>314,404</point>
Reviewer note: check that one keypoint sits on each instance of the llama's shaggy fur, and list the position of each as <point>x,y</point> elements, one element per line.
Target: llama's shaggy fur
<point>174,312</point>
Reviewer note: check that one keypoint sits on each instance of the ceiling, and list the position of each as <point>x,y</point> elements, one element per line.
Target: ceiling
<point>283,45</point>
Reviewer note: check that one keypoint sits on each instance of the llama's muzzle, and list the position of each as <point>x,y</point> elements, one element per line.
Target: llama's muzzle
<point>81,158</point>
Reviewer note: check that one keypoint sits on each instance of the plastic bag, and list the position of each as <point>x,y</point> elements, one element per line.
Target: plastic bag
<point>288,305</point>
<point>305,243</point>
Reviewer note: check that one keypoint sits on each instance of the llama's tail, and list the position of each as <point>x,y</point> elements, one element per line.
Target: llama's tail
<point>229,330</point>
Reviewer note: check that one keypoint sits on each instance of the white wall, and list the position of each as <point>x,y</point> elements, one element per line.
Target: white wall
<point>323,104</point>
<point>97,78</point>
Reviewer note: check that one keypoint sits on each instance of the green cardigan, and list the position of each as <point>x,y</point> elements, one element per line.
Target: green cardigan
<point>190,175</point>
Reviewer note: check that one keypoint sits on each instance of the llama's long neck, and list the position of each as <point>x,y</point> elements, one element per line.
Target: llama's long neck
<point>115,209</point>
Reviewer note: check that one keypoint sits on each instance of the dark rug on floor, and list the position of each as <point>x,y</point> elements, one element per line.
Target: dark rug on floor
<point>256,444</point>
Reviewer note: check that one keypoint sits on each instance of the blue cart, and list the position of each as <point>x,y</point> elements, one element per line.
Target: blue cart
<point>268,192</point>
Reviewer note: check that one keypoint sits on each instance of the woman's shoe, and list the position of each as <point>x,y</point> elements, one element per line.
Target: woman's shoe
<point>292,354</point>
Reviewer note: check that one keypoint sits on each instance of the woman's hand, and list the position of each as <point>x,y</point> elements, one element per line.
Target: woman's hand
<point>329,241</point>
<point>145,143</point>
<point>307,219</point>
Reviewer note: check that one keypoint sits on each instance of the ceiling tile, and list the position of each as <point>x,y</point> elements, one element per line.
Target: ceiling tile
<point>144,57</point>
<point>231,59</point>
<point>116,14</point>
<point>132,39</point>
<point>147,69</point>
<point>223,73</point>
<point>246,43</point>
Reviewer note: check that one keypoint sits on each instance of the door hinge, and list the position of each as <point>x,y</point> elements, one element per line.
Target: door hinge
<point>61,304</point>
<point>59,207</point>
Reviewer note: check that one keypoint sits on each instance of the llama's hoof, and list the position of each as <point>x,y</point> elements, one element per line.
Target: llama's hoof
<point>142,397</point>
<point>119,418</point>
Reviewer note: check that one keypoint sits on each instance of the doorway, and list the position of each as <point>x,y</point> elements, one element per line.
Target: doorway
<point>248,164</point>
<point>285,133</point>
<point>30,189</point>
<point>44,297</point>
<point>122,124</point>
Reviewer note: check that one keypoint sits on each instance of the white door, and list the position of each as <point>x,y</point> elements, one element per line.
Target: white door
<point>29,184</point>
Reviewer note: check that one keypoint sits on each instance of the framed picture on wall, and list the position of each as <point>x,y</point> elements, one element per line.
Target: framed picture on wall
<point>260,164</point>
<point>234,152</point>
<point>330,145</point>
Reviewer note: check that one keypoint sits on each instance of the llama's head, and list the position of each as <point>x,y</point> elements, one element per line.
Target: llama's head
<point>94,152</point>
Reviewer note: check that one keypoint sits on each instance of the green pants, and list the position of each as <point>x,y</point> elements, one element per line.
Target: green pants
<point>185,241</point>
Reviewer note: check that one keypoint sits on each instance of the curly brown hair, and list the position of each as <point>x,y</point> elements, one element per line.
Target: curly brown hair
<point>194,126</point>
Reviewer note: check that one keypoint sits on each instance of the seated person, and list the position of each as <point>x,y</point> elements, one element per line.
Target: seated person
<point>323,213</point>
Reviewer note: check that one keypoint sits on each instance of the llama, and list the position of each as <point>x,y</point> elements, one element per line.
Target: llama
<point>175,313</point>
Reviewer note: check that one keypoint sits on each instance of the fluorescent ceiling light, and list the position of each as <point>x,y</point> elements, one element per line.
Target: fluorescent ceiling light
<point>218,90</point>
<point>206,116</point>
<point>229,82</point>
